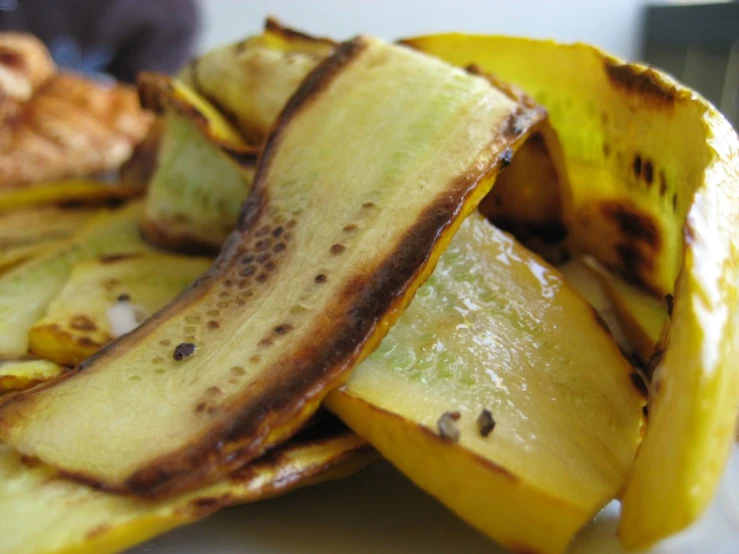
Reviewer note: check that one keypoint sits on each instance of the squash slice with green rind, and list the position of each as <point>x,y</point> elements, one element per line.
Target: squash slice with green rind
<point>79,322</point>
<point>43,513</point>
<point>654,172</point>
<point>495,328</point>
<point>330,248</point>
<point>27,289</point>
<point>200,153</point>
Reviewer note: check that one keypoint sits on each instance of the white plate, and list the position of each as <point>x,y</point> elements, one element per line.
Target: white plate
<point>379,511</point>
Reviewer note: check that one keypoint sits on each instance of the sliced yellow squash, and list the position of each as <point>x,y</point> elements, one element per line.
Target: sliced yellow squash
<point>250,82</point>
<point>629,193</point>
<point>331,246</point>
<point>642,316</point>
<point>262,72</point>
<point>44,513</point>
<point>69,191</point>
<point>23,374</point>
<point>654,173</point>
<point>200,153</point>
<point>86,315</point>
<point>27,289</point>
<point>499,394</point>
<point>26,232</point>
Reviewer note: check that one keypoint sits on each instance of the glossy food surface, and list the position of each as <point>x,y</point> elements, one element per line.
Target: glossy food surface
<point>654,196</point>
<point>495,328</point>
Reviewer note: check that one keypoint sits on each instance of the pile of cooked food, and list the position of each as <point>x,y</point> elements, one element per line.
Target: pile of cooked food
<point>506,266</point>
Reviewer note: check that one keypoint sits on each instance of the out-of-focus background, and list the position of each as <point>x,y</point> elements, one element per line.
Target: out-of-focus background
<point>696,41</point>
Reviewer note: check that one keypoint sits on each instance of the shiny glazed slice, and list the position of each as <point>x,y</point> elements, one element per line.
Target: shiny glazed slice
<point>44,513</point>
<point>360,188</point>
<point>495,328</point>
<point>80,320</point>
<point>26,290</point>
<point>654,172</point>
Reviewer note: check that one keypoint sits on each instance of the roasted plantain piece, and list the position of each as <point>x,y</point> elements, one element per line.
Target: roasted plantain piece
<point>26,290</point>
<point>500,394</point>
<point>18,375</point>
<point>204,174</point>
<point>27,232</point>
<point>25,64</point>
<point>43,513</point>
<point>116,107</point>
<point>107,297</point>
<point>71,127</point>
<point>331,245</point>
<point>654,197</point>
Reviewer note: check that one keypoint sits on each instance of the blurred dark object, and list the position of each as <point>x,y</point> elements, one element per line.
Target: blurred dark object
<point>699,45</point>
<point>117,37</point>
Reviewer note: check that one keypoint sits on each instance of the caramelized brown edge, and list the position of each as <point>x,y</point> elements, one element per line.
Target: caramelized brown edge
<point>272,25</point>
<point>159,233</point>
<point>157,93</point>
